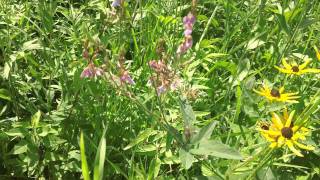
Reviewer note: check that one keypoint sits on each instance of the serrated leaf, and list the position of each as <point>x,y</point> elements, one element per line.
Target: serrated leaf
<point>141,137</point>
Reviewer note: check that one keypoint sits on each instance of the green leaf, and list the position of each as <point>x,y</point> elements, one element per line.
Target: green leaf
<point>4,94</point>
<point>254,43</point>
<point>154,168</point>
<point>141,137</point>
<point>217,149</point>
<point>20,148</point>
<point>204,133</point>
<point>186,158</point>
<point>100,158</point>
<point>35,119</point>
<point>20,132</point>
<point>187,112</point>
<point>84,164</point>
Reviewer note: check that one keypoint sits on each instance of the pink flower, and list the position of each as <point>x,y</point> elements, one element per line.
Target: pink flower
<point>126,78</point>
<point>116,3</point>
<point>87,73</point>
<point>161,89</point>
<point>91,71</point>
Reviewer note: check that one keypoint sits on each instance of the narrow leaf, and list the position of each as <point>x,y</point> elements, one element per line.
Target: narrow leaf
<point>84,164</point>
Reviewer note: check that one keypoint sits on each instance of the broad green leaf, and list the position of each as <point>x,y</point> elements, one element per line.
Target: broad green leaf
<point>254,43</point>
<point>20,148</point>
<point>141,137</point>
<point>186,158</point>
<point>84,164</point>
<point>31,45</point>
<point>100,158</point>
<point>204,133</point>
<point>187,112</point>
<point>217,149</point>
<point>17,132</point>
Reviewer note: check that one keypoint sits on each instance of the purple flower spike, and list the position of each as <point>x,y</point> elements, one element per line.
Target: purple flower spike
<point>126,78</point>
<point>188,32</point>
<point>116,3</point>
<point>189,19</point>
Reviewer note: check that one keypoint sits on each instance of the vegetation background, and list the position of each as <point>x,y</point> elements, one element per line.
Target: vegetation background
<point>56,125</point>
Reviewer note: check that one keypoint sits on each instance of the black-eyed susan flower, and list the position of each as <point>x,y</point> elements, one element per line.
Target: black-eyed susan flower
<point>317,52</point>
<point>283,132</point>
<point>295,68</point>
<point>273,94</point>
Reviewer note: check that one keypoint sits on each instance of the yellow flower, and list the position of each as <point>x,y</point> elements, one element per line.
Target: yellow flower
<point>296,69</point>
<point>277,95</point>
<point>283,132</point>
<point>317,52</point>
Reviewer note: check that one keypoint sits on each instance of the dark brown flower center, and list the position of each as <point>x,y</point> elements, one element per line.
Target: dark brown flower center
<point>287,132</point>
<point>265,127</point>
<point>275,93</point>
<point>295,68</point>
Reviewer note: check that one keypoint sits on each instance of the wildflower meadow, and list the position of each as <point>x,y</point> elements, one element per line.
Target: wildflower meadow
<point>160,89</point>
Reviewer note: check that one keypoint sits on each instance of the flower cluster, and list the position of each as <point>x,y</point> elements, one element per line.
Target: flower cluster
<point>165,79</point>
<point>188,22</point>
<point>283,132</point>
<point>91,70</point>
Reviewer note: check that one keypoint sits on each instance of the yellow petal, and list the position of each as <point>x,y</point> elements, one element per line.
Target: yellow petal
<point>285,63</point>
<point>304,65</point>
<point>277,121</point>
<point>285,113</point>
<point>271,133</point>
<point>281,90</point>
<point>302,146</point>
<point>289,120</point>
<point>287,71</point>
<point>310,71</point>
<point>293,149</point>
<point>273,145</point>
<point>317,52</point>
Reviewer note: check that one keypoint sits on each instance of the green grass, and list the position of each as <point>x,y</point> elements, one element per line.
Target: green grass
<point>56,125</point>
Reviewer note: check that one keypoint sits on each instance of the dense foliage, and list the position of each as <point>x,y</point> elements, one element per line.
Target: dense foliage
<point>159,89</point>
